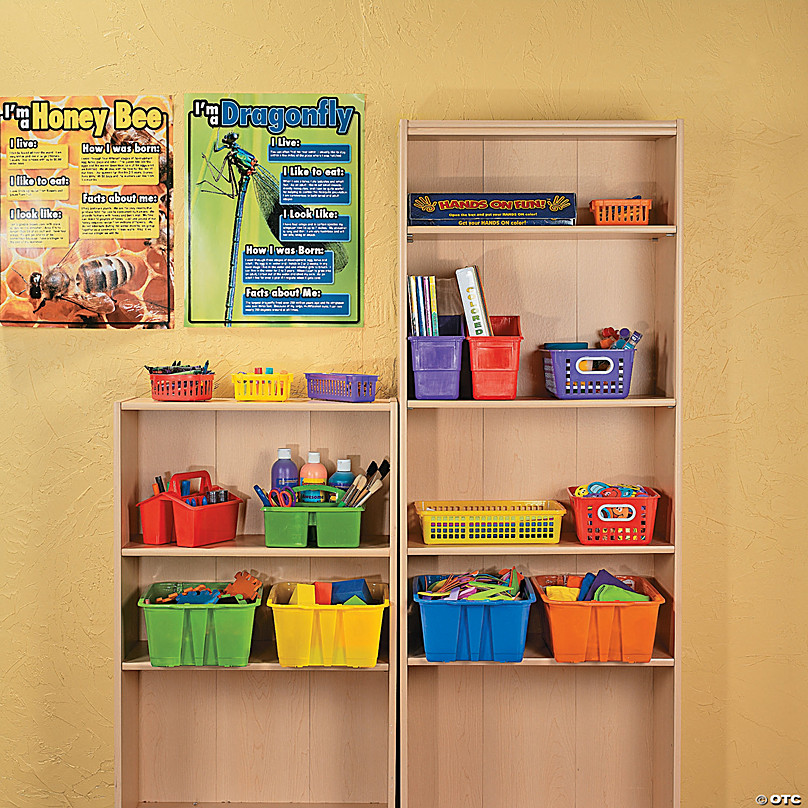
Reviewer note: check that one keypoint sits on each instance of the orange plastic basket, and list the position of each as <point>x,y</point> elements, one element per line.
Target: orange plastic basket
<point>620,211</point>
<point>591,631</point>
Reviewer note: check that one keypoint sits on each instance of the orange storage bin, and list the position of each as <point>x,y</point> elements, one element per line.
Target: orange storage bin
<point>590,631</point>
<point>620,211</point>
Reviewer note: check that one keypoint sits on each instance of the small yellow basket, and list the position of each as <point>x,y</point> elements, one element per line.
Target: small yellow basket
<point>262,387</point>
<point>492,522</point>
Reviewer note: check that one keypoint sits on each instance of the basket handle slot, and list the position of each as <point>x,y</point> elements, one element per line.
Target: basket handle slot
<point>614,513</point>
<point>597,362</point>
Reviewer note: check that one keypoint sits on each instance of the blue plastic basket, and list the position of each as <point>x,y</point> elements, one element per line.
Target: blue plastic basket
<point>576,374</point>
<point>473,630</point>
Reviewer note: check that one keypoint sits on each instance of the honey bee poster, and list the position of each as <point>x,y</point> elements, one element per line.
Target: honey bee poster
<point>275,200</point>
<point>85,211</point>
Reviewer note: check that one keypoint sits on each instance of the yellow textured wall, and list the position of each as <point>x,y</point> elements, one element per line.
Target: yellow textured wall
<point>735,71</point>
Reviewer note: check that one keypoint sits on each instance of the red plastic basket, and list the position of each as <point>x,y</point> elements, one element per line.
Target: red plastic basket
<point>197,526</point>
<point>157,519</point>
<point>495,360</point>
<point>614,520</point>
<point>620,211</point>
<point>182,386</point>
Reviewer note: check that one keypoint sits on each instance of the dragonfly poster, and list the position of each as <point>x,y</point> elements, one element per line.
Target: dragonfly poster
<point>275,200</point>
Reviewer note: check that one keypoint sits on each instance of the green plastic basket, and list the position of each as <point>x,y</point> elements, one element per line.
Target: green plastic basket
<point>334,526</point>
<point>189,634</point>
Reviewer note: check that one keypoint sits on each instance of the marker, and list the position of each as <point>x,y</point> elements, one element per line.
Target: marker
<point>155,488</point>
<point>634,340</point>
<point>258,371</point>
<point>160,484</point>
<point>185,488</point>
<point>204,501</point>
<point>262,496</point>
<point>270,371</point>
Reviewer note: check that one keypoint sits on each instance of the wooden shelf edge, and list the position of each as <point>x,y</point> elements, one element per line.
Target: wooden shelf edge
<point>530,403</point>
<point>196,804</point>
<point>569,545</point>
<point>230,404</point>
<point>540,656</point>
<point>566,129</point>
<point>533,233</point>
<point>251,545</point>
<point>262,659</point>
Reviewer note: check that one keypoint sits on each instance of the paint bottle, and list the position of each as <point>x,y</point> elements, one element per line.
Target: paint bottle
<point>284,471</point>
<point>313,473</point>
<point>343,476</point>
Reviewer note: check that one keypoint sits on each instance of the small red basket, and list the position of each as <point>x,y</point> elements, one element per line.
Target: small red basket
<point>157,519</point>
<point>181,386</point>
<point>494,360</point>
<point>614,520</point>
<point>197,526</point>
<point>620,211</point>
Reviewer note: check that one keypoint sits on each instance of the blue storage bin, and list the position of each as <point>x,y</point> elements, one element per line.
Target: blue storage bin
<point>473,630</point>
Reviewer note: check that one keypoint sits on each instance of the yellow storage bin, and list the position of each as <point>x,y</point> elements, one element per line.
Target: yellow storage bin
<point>327,636</point>
<point>491,522</point>
<point>261,386</point>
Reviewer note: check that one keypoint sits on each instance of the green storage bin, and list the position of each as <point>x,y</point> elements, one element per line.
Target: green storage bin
<point>188,634</point>
<point>334,526</point>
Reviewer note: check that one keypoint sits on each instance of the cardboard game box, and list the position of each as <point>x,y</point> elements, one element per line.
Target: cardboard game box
<point>492,209</point>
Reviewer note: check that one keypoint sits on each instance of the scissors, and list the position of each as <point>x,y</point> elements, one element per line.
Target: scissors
<point>282,498</point>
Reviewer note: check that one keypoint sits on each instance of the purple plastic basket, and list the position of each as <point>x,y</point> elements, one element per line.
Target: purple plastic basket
<point>436,360</point>
<point>564,377</point>
<point>354,387</point>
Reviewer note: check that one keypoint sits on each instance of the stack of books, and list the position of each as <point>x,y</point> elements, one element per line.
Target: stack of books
<point>423,299</point>
<point>423,303</point>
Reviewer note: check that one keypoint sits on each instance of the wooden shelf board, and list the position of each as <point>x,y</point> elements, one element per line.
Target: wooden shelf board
<point>568,545</point>
<point>537,653</point>
<point>231,405</point>
<point>530,233</point>
<point>530,403</point>
<point>228,804</point>
<point>262,658</point>
<point>631,130</point>
<point>252,545</point>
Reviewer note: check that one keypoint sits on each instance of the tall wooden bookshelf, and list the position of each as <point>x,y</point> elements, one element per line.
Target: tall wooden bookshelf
<point>261,736</point>
<point>539,732</point>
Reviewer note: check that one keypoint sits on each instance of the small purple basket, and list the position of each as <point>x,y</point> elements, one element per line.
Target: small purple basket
<point>590,373</point>
<point>436,360</point>
<point>354,387</point>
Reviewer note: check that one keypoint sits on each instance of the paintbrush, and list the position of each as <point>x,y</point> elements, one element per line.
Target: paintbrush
<point>359,483</point>
<point>376,477</point>
<point>368,493</point>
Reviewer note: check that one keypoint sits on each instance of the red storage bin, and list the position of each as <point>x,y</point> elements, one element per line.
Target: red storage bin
<point>495,360</point>
<point>157,519</point>
<point>614,520</point>
<point>197,526</point>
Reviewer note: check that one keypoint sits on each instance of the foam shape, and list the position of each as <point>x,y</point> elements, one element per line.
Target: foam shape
<point>322,593</point>
<point>343,590</point>
<point>355,601</point>
<point>303,595</point>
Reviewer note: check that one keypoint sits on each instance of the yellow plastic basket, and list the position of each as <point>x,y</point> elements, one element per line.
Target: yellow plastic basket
<point>492,522</point>
<point>327,636</point>
<point>262,387</point>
